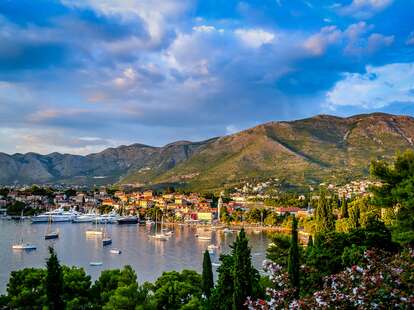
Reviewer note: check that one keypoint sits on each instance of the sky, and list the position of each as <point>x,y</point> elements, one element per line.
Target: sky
<point>78,76</point>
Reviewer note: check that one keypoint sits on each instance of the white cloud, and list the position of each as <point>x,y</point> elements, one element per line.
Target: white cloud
<point>204,28</point>
<point>318,43</point>
<point>376,88</point>
<point>364,9</point>
<point>255,37</point>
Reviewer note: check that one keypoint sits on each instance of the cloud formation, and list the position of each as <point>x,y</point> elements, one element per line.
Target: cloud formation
<point>79,76</point>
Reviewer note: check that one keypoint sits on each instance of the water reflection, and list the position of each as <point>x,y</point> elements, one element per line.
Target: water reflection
<point>148,256</point>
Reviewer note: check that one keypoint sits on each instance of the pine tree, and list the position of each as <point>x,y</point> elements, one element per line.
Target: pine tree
<point>344,208</point>
<point>208,282</point>
<point>54,282</point>
<point>244,275</point>
<point>293,261</point>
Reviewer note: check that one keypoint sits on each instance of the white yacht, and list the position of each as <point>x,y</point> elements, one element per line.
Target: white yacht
<point>57,215</point>
<point>84,218</point>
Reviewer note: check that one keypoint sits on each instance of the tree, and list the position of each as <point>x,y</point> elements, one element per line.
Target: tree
<point>245,277</point>
<point>76,288</point>
<point>344,208</point>
<point>26,289</point>
<point>222,296</point>
<point>323,215</point>
<point>293,261</point>
<point>208,282</point>
<point>397,192</point>
<point>310,241</point>
<point>175,289</point>
<point>54,282</point>
<point>278,250</point>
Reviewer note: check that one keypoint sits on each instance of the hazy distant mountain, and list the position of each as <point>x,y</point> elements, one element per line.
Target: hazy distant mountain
<point>317,149</point>
<point>105,167</point>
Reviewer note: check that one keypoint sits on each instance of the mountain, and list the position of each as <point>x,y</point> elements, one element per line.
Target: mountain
<point>105,167</point>
<point>321,148</point>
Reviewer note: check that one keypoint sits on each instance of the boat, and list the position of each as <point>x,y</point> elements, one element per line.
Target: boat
<point>127,220</point>
<point>24,246</point>
<point>49,233</point>
<point>57,216</point>
<point>108,218</point>
<point>204,238</point>
<point>106,240</point>
<point>115,251</point>
<point>160,236</point>
<point>216,264</point>
<point>96,231</point>
<point>149,222</point>
<point>227,230</point>
<point>52,235</point>
<point>84,218</point>
<point>95,263</point>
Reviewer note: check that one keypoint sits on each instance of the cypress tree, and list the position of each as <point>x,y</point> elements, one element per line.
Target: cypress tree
<point>310,241</point>
<point>293,261</point>
<point>344,208</point>
<point>323,215</point>
<point>244,275</point>
<point>54,282</point>
<point>208,282</point>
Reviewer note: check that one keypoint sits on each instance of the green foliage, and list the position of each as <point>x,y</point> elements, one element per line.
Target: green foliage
<point>397,191</point>
<point>293,261</point>
<point>208,282</point>
<point>256,215</point>
<point>278,250</point>
<point>344,208</point>
<point>54,282</point>
<point>16,208</point>
<point>26,289</point>
<point>324,218</point>
<point>174,289</point>
<point>222,296</point>
<point>76,288</point>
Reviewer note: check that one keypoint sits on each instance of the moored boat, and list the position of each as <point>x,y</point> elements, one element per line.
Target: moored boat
<point>24,246</point>
<point>127,220</point>
<point>115,251</point>
<point>95,263</point>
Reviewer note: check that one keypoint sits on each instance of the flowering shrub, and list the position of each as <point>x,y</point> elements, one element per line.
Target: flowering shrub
<point>381,282</point>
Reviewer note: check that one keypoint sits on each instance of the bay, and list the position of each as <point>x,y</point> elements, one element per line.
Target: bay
<point>149,257</point>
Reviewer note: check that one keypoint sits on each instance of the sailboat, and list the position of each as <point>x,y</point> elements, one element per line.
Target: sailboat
<point>160,236</point>
<point>106,240</point>
<point>49,233</point>
<point>96,231</point>
<point>23,245</point>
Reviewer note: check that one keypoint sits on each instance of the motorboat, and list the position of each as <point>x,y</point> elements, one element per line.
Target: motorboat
<point>149,222</point>
<point>24,246</point>
<point>56,216</point>
<point>95,263</point>
<point>161,236</point>
<point>127,220</point>
<point>115,251</point>
<point>109,218</point>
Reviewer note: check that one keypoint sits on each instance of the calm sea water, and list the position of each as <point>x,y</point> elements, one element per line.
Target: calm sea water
<point>147,256</point>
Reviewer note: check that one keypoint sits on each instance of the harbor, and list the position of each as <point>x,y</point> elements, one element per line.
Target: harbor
<point>132,244</point>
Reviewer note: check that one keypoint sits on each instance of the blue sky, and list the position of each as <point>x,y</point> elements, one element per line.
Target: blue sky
<point>78,76</point>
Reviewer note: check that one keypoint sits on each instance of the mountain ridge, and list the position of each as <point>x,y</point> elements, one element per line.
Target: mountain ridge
<point>308,150</point>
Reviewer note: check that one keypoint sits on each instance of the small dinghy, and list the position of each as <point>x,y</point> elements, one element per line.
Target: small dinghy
<point>95,263</point>
<point>115,251</point>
